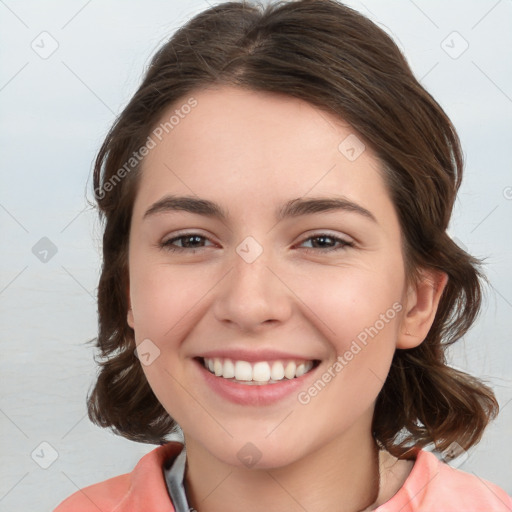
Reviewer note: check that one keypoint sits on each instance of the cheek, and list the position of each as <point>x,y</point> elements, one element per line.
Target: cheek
<point>162,297</point>
<point>360,314</point>
<point>360,310</point>
<point>353,304</point>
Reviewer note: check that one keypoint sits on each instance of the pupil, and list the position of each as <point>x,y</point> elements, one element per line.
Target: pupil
<point>322,238</point>
<point>193,237</point>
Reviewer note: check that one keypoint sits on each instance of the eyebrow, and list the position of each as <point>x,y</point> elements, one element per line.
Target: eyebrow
<point>292,208</point>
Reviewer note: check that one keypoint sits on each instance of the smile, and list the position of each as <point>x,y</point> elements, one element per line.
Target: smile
<point>258,373</point>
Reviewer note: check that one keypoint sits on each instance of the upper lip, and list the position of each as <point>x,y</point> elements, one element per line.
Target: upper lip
<point>253,356</point>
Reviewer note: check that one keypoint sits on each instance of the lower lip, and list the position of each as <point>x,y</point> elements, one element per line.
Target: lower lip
<point>245,394</point>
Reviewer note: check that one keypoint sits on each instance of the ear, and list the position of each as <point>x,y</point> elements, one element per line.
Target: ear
<point>420,308</point>
<point>129,315</point>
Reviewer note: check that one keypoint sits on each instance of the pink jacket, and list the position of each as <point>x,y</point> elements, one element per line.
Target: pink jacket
<point>432,486</point>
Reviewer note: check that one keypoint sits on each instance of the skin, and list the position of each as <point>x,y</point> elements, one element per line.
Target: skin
<point>250,152</point>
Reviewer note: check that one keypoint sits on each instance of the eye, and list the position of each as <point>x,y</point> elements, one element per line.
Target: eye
<point>325,242</point>
<point>189,242</point>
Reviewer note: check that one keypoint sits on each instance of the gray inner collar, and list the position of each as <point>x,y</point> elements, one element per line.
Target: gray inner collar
<point>174,478</point>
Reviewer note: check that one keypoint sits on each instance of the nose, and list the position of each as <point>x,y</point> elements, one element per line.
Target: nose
<point>252,296</point>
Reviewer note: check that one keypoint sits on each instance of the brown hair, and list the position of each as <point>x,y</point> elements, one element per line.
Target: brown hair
<point>336,59</point>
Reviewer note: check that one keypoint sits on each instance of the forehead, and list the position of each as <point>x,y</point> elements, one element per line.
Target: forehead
<point>250,148</point>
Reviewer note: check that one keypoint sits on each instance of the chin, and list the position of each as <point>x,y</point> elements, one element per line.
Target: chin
<point>255,452</point>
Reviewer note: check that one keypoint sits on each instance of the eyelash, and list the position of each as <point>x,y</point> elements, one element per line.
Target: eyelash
<point>168,247</point>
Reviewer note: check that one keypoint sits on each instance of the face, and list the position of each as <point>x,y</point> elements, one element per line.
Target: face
<point>303,272</point>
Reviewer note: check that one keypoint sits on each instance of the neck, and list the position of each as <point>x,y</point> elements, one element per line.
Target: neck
<point>342,475</point>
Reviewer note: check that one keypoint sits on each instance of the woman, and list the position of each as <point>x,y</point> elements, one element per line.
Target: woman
<point>277,278</point>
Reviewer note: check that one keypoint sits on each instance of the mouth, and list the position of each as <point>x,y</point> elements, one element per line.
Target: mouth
<point>258,373</point>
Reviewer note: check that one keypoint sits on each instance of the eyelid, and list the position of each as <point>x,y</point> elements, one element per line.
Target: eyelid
<point>165,243</point>
<point>343,239</point>
<point>185,232</point>
<point>318,233</point>
<point>338,239</point>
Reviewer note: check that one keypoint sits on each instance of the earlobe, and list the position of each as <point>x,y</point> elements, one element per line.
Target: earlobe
<point>422,303</point>
<point>129,318</point>
<point>129,315</point>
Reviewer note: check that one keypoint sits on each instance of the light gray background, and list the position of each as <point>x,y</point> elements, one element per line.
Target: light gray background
<point>55,112</point>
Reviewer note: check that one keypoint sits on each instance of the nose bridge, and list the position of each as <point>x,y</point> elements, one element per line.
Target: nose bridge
<point>251,293</point>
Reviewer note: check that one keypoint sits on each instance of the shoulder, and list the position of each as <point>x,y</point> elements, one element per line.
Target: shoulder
<point>435,485</point>
<point>104,495</point>
<point>143,487</point>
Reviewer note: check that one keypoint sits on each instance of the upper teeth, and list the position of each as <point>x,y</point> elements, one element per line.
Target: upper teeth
<point>262,371</point>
